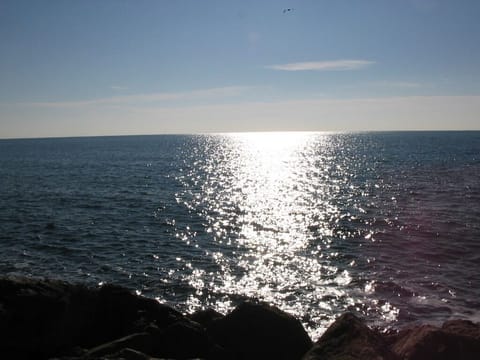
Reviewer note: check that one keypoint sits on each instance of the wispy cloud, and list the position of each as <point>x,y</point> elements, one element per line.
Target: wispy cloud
<point>142,99</point>
<point>333,65</point>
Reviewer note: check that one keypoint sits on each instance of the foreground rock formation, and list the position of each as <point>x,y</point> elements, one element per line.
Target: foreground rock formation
<point>45,319</point>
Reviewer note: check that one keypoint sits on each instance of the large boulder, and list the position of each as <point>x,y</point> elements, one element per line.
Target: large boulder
<point>464,328</point>
<point>44,318</point>
<point>119,312</point>
<point>457,339</point>
<point>205,317</point>
<point>141,342</point>
<point>185,340</point>
<point>260,331</point>
<point>181,340</point>
<point>348,338</point>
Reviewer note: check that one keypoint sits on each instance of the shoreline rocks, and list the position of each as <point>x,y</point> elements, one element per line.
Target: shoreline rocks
<point>51,319</point>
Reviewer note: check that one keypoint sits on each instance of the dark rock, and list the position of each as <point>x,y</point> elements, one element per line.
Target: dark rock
<point>349,338</point>
<point>205,317</point>
<point>123,354</point>
<point>141,342</point>
<point>463,328</point>
<point>119,313</point>
<point>42,317</point>
<point>183,340</point>
<point>129,354</point>
<point>259,331</point>
<point>457,339</point>
<point>45,318</point>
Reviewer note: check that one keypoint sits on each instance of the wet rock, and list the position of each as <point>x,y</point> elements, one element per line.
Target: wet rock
<point>457,339</point>
<point>260,331</point>
<point>349,338</point>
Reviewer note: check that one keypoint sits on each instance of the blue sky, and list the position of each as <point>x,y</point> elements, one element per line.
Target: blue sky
<point>75,68</point>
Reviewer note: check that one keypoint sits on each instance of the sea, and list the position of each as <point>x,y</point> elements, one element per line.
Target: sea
<point>383,224</point>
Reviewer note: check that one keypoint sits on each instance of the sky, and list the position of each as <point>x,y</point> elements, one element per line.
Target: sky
<point>121,67</point>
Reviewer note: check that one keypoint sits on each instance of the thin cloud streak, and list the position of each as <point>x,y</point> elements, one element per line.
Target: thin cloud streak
<point>139,99</point>
<point>335,65</point>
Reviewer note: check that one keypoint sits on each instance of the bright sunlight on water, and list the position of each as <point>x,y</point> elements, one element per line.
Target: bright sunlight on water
<point>268,197</point>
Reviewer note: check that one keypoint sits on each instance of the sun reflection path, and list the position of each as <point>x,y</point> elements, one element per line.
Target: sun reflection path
<point>268,198</point>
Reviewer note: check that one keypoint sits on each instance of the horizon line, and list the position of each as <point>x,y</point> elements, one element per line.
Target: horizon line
<point>222,133</point>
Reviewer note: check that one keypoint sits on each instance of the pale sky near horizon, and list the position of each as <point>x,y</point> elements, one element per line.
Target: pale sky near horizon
<point>118,67</point>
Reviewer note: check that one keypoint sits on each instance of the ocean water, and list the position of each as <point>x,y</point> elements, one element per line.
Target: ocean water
<point>383,224</point>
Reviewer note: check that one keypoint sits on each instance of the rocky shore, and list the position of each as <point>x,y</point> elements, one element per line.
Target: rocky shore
<point>49,319</point>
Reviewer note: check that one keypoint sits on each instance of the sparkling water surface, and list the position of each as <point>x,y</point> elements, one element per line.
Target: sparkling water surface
<point>383,224</point>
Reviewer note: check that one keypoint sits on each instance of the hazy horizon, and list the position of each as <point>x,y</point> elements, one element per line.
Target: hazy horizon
<point>273,132</point>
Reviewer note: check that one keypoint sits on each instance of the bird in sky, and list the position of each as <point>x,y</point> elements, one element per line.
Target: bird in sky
<point>288,10</point>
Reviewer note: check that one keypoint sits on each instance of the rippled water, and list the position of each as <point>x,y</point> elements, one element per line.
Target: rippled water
<point>383,224</point>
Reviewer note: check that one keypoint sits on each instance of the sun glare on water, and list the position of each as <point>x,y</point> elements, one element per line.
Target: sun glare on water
<point>266,198</point>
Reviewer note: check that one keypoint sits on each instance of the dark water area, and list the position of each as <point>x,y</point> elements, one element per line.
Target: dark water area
<point>383,224</point>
